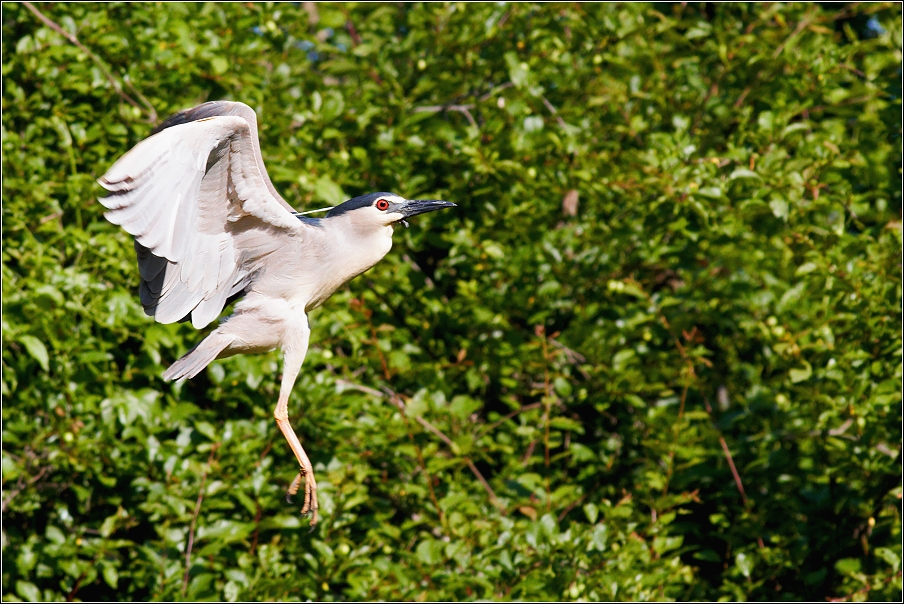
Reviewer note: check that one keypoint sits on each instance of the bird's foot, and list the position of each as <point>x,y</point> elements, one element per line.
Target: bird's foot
<point>310,493</point>
<point>296,482</point>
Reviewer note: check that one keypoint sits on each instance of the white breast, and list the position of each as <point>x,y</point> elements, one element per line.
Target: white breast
<point>309,271</point>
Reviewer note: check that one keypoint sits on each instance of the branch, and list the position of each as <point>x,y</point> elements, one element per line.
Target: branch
<point>730,460</point>
<point>553,111</point>
<point>734,470</point>
<point>194,519</point>
<point>420,457</point>
<point>464,109</point>
<point>152,113</point>
<point>486,486</point>
<point>20,487</point>
<point>350,28</point>
<point>443,108</point>
<point>493,91</point>
<point>492,426</point>
<point>398,402</point>
<point>573,355</point>
<point>709,410</point>
<point>800,26</point>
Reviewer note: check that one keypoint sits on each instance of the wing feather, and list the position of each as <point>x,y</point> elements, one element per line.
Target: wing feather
<point>204,214</point>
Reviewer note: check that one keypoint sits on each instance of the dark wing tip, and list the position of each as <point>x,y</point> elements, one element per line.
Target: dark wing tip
<point>202,111</point>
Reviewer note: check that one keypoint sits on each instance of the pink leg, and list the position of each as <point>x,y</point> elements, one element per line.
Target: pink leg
<point>292,360</point>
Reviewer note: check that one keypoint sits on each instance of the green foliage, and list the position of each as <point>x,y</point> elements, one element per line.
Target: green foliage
<point>655,353</point>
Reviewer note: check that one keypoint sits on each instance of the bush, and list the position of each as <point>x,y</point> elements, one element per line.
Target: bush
<point>655,353</point>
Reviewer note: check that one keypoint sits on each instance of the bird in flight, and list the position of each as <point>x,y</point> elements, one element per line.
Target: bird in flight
<point>210,228</point>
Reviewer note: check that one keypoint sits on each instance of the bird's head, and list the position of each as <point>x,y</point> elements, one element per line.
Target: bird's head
<point>385,209</point>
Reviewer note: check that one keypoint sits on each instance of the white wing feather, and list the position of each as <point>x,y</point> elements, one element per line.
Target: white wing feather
<point>194,195</point>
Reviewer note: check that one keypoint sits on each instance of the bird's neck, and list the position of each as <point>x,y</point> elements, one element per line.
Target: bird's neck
<point>348,250</point>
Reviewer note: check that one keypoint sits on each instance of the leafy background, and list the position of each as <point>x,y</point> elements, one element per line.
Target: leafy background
<point>655,353</point>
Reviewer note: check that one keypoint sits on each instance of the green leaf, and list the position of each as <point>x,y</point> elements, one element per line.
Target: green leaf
<point>564,423</point>
<point>598,538</point>
<point>890,557</point>
<point>730,281</point>
<point>328,191</point>
<point>518,71</point>
<point>28,591</point>
<point>430,551</point>
<point>744,564</point>
<point>779,208</point>
<point>463,406</point>
<point>36,349</point>
<point>800,375</point>
<point>742,173</point>
<point>592,512</point>
<point>848,566</point>
<point>220,65</point>
<point>807,267</point>
<point>111,576</point>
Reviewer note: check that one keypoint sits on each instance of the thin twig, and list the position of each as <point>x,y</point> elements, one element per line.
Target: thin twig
<point>571,506</point>
<point>683,352</point>
<point>527,454</point>
<point>257,526</point>
<point>395,399</point>
<point>864,590</point>
<point>743,95</point>
<point>492,426</point>
<point>18,490</point>
<point>464,109</point>
<point>263,454</point>
<point>373,332</point>
<point>800,27</point>
<point>486,486</point>
<point>553,111</point>
<point>359,388</point>
<point>496,89</point>
<point>50,217</point>
<point>547,405</point>
<point>734,470</point>
<point>436,431</point>
<point>439,433</point>
<point>152,114</point>
<point>194,519</point>
<point>573,356</point>
<point>730,460</point>
<point>350,28</point>
<point>438,108</point>
<point>443,108</point>
<point>78,582</point>
<point>852,101</point>
<point>398,402</point>
<point>677,431</point>
<point>152,117</point>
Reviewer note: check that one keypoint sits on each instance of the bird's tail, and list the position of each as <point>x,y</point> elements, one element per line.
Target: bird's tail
<point>198,357</point>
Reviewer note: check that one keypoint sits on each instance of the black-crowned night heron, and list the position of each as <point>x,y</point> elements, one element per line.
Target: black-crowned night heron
<point>210,227</point>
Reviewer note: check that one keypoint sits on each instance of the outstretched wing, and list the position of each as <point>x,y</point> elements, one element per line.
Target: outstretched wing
<point>204,214</point>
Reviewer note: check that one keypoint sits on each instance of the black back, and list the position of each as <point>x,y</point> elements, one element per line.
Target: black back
<point>357,202</point>
<point>209,109</point>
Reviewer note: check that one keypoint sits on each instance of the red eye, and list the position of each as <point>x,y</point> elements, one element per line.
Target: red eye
<point>382,204</point>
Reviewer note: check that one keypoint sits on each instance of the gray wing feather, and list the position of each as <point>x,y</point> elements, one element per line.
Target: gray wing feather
<point>221,108</point>
<point>201,207</point>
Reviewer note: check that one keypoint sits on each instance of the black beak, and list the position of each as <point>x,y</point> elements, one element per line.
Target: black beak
<point>421,206</point>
